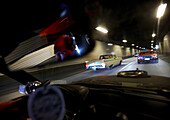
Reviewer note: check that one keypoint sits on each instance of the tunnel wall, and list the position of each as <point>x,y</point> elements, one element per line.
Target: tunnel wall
<point>100,48</point>
<point>103,48</point>
<point>164,47</point>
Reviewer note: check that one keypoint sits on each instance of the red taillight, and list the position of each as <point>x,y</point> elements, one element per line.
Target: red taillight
<point>140,57</point>
<point>86,65</point>
<point>154,56</point>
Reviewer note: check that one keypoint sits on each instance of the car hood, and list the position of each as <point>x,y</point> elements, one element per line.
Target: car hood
<point>148,82</point>
<point>146,54</point>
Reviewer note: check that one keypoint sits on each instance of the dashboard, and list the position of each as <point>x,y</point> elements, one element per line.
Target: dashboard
<point>121,104</point>
<point>90,102</point>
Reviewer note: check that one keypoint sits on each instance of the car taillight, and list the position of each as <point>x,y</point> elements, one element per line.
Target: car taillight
<point>154,56</point>
<point>86,65</point>
<point>103,64</point>
<point>140,57</point>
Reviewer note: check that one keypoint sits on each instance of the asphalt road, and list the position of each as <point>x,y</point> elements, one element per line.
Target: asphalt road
<point>161,69</point>
<point>67,74</point>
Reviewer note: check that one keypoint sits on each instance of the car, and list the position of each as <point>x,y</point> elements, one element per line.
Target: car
<point>147,57</point>
<point>105,61</point>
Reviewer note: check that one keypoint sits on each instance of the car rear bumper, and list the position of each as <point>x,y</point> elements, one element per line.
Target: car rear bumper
<point>148,61</point>
<point>95,67</point>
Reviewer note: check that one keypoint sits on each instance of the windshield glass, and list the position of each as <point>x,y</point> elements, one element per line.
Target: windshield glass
<point>64,41</point>
<point>150,52</point>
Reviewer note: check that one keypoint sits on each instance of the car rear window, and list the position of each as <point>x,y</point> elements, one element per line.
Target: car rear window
<point>147,53</point>
<point>105,56</point>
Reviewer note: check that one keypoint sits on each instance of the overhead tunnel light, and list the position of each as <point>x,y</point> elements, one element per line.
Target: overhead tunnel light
<point>153,34</point>
<point>125,41</point>
<point>101,29</point>
<point>161,10</point>
<point>109,44</point>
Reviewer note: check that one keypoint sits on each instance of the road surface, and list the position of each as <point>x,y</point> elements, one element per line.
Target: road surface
<point>68,74</point>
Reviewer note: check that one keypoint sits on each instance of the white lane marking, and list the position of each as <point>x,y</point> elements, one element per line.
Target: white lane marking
<point>128,59</point>
<point>126,66</point>
<point>125,60</point>
<point>124,63</point>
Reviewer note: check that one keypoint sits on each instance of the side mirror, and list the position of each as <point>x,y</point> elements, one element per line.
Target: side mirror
<point>32,86</point>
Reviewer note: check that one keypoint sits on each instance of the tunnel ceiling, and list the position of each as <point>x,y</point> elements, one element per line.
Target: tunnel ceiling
<point>133,20</point>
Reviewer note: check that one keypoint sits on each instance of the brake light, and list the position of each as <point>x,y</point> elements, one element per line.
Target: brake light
<point>154,56</point>
<point>140,57</point>
<point>86,65</point>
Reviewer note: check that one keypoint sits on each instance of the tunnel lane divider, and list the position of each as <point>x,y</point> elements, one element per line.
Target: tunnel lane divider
<point>127,66</point>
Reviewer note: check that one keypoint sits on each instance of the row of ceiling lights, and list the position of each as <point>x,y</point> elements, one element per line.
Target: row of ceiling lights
<point>103,30</point>
<point>160,12</point>
<point>110,44</point>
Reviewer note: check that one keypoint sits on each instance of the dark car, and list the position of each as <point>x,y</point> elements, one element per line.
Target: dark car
<point>147,57</point>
